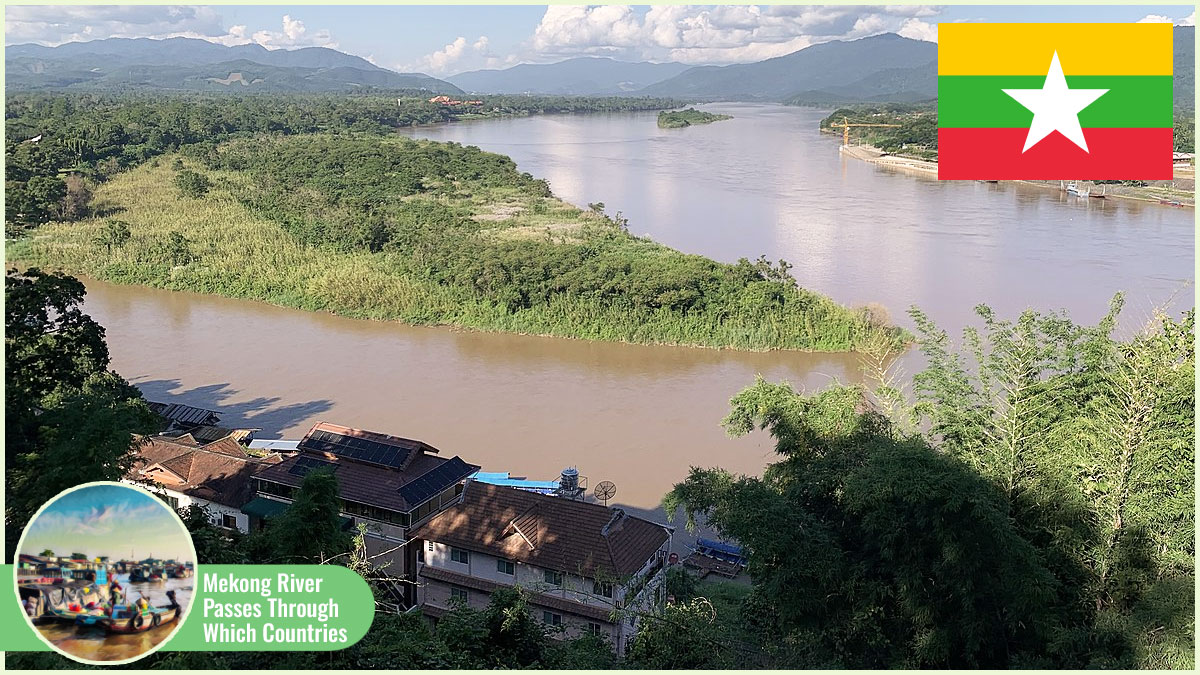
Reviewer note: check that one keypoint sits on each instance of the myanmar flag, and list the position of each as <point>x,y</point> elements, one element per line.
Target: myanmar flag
<point>1055,101</point>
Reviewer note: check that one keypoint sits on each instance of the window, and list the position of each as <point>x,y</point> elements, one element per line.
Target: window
<point>602,588</point>
<point>458,595</point>
<point>229,521</point>
<point>173,501</point>
<point>420,554</point>
<point>554,578</point>
<point>593,628</point>
<point>460,555</point>
<point>552,618</point>
<point>506,567</point>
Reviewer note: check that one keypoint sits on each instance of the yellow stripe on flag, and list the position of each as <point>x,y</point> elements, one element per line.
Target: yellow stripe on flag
<point>1026,48</point>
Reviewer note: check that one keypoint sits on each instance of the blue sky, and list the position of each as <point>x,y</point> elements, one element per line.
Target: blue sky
<point>106,520</point>
<point>443,40</point>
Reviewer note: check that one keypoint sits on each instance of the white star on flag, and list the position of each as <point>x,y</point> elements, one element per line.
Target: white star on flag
<point>1055,107</point>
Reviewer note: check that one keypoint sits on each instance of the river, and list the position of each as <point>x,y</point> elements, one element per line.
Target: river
<point>765,182</point>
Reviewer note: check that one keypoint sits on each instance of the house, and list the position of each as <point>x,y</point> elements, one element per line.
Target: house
<point>585,567</point>
<point>216,476</point>
<point>388,483</point>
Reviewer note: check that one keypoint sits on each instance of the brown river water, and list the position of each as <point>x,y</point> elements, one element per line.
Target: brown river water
<point>765,182</point>
<point>95,645</point>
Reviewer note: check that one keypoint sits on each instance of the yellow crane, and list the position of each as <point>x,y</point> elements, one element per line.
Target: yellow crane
<point>845,127</point>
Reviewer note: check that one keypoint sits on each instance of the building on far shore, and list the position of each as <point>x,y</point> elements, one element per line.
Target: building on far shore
<point>388,483</point>
<point>217,476</point>
<point>585,567</point>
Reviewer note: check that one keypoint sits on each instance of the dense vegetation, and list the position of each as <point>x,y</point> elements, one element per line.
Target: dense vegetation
<point>68,419</point>
<point>378,226</point>
<point>677,119</point>
<point>1033,509</point>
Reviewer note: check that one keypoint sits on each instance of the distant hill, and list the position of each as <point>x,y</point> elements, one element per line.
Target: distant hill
<point>826,67</point>
<point>190,64</point>
<point>893,85</point>
<point>585,76</point>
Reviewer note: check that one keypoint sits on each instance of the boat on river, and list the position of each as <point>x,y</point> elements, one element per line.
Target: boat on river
<point>126,619</point>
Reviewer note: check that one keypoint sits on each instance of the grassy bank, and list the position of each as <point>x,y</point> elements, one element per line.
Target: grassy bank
<point>425,233</point>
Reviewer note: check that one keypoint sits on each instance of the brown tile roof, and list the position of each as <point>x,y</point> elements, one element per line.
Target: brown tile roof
<point>363,483</point>
<point>218,472</point>
<point>596,612</point>
<point>551,532</point>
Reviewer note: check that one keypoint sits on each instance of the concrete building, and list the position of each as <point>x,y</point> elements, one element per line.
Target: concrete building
<point>584,567</point>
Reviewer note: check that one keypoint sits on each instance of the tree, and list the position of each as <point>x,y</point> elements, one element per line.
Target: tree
<point>870,547</point>
<point>68,419</point>
<point>114,235</point>
<point>315,512</point>
<point>47,553</point>
<point>191,184</point>
<point>1092,440</point>
<point>77,199</point>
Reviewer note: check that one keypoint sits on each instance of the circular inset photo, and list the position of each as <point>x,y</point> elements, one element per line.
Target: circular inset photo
<point>105,572</point>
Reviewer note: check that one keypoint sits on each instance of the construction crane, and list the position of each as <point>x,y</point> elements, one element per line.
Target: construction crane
<point>845,127</point>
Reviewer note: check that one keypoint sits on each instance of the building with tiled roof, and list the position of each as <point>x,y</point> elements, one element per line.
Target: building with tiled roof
<point>217,476</point>
<point>585,567</point>
<point>388,483</point>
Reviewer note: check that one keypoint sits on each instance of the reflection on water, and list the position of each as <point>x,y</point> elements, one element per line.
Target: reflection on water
<point>94,644</point>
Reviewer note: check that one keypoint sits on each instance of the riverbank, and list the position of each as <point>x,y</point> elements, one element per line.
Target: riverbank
<point>496,252</point>
<point>1179,192</point>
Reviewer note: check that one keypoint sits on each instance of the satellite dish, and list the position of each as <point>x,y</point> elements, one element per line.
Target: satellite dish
<point>605,490</point>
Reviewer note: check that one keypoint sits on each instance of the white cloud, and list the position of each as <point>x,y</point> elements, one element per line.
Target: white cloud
<point>455,57</point>
<point>919,30</point>
<point>294,34</point>
<point>1155,18</point>
<point>54,25</point>
<point>1189,20</point>
<point>713,34</point>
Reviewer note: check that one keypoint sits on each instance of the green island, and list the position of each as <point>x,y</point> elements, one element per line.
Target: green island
<point>313,203</point>
<point>677,119</point>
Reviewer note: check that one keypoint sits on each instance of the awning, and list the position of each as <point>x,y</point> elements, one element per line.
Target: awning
<point>264,508</point>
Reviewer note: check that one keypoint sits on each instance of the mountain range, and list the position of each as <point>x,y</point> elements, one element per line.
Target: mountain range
<point>585,76</point>
<point>882,68</point>
<point>199,65</point>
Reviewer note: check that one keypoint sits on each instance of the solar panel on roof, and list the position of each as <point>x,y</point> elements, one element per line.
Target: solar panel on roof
<point>305,464</point>
<point>358,449</point>
<point>429,484</point>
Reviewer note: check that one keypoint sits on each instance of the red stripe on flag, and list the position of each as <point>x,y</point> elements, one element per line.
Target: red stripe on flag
<point>995,154</point>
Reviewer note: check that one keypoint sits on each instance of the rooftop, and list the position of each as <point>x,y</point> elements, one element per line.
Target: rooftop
<point>387,472</point>
<point>219,472</point>
<point>550,532</point>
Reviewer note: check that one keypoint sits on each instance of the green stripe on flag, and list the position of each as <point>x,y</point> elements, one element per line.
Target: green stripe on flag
<point>977,102</point>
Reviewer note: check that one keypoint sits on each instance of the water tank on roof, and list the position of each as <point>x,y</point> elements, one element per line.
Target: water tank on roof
<point>569,482</point>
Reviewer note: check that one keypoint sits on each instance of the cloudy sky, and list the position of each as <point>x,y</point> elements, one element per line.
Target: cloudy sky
<point>442,40</point>
<point>106,520</point>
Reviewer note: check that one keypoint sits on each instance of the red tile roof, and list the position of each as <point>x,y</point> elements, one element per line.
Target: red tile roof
<point>550,532</point>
